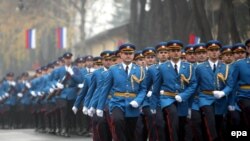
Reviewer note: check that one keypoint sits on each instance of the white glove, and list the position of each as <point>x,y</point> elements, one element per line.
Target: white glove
<point>80,85</point>
<point>74,109</point>
<point>134,104</point>
<point>28,85</point>
<point>153,111</point>
<point>20,95</point>
<point>149,94</point>
<point>218,94</point>
<point>13,83</point>
<point>70,70</point>
<point>85,110</point>
<point>39,93</point>
<point>178,98</point>
<point>162,92</point>
<point>33,93</point>
<point>99,113</point>
<point>6,95</point>
<point>1,98</point>
<point>231,108</point>
<point>59,85</point>
<point>91,111</point>
<point>51,90</point>
<point>189,113</point>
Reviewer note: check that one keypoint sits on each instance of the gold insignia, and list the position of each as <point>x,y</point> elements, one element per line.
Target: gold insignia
<point>174,44</point>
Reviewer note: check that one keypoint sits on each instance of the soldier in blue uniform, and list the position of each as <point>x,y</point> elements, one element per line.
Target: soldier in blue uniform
<point>239,51</point>
<point>67,78</point>
<point>175,88</point>
<point>145,124</point>
<point>215,84</point>
<point>126,81</point>
<point>139,59</point>
<point>227,54</point>
<point>247,43</point>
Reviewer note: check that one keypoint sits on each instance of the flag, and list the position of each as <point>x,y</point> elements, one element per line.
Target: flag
<point>193,39</point>
<point>30,38</point>
<point>61,37</point>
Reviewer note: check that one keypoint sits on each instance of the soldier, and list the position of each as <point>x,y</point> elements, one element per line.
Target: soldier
<point>214,83</point>
<point>175,88</point>
<point>139,58</point>
<point>145,123</point>
<point>247,43</point>
<point>239,51</point>
<point>126,80</point>
<point>67,78</point>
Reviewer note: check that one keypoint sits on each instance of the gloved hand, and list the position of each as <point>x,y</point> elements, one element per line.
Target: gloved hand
<point>178,98</point>
<point>74,109</point>
<point>218,94</point>
<point>149,94</point>
<point>28,85</point>
<point>91,111</point>
<point>59,85</point>
<point>51,90</point>
<point>1,98</point>
<point>99,113</point>
<point>33,93</point>
<point>153,111</point>
<point>70,70</point>
<point>20,95</point>
<point>80,85</point>
<point>6,94</point>
<point>39,93</point>
<point>231,108</point>
<point>85,110</point>
<point>13,83</point>
<point>134,104</point>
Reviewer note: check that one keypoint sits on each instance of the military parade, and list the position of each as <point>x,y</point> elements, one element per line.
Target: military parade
<point>154,94</point>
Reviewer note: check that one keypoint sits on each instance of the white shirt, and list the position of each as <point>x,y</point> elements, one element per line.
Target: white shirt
<point>212,64</point>
<point>178,65</point>
<point>129,67</point>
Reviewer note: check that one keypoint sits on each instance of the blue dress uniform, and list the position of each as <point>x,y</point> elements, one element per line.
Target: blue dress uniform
<point>129,90</point>
<point>172,85</point>
<point>210,80</point>
<point>241,75</point>
<point>69,77</point>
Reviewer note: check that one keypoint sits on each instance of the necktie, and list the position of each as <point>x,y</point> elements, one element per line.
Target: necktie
<point>214,68</point>
<point>175,68</point>
<point>126,70</point>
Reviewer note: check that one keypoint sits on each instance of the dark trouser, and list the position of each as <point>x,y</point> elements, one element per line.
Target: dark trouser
<point>123,127</point>
<point>209,122</point>
<point>150,123</point>
<point>141,129</point>
<point>160,125</point>
<point>86,122</point>
<point>185,129</point>
<point>197,127</point>
<point>172,121</point>
<point>79,120</point>
<point>245,108</point>
<point>94,128</point>
<point>220,127</point>
<point>103,130</point>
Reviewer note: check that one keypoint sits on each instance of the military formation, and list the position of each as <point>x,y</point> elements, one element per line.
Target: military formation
<point>170,92</point>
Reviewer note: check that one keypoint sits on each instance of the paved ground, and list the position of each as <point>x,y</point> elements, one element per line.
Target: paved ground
<point>30,135</point>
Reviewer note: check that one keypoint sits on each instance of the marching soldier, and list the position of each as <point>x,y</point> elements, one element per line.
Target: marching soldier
<point>214,83</point>
<point>139,58</point>
<point>126,80</point>
<point>227,54</point>
<point>175,88</point>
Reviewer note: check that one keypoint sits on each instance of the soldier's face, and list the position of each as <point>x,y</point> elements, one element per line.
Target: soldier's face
<point>227,58</point>
<point>107,62</point>
<point>239,55</point>
<point>175,54</point>
<point>248,48</point>
<point>213,53</point>
<point>141,62</point>
<point>89,64</point>
<point>150,60</point>
<point>67,61</point>
<point>190,57</point>
<point>127,57</point>
<point>201,56</point>
<point>163,55</point>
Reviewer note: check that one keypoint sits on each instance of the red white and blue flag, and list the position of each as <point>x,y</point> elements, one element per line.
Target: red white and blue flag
<point>193,39</point>
<point>30,38</point>
<point>61,37</point>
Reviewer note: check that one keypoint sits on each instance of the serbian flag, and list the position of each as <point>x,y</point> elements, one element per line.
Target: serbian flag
<point>30,38</point>
<point>193,39</point>
<point>61,37</point>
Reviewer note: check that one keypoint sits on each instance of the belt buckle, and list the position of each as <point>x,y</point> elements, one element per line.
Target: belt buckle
<point>126,95</point>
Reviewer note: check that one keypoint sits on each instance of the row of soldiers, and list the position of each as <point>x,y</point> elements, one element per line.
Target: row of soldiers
<point>156,94</point>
